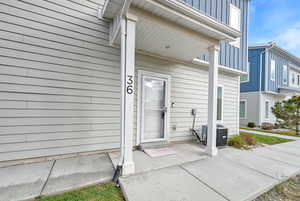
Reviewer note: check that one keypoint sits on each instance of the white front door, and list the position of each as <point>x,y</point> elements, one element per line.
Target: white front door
<point>154,108</point>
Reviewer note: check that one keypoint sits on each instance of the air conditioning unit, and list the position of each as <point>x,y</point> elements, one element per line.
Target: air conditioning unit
<point>222,135</point>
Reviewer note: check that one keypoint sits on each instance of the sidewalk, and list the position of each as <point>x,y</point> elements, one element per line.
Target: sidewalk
<point>270,134</point>
<point>189,175</point>
<point>24,182</point>
<point>233,175</point>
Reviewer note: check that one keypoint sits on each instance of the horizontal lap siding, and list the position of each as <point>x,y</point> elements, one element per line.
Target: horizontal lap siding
<point>189,89</point>
<point>59,79</point>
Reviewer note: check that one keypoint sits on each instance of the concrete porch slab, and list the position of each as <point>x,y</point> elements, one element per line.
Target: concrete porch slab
<point>80,171</point>
<point>23,182</point>
<point>168,184</point>
<point>275,169</point>
<point>233,181</point>
<point>184,153</point>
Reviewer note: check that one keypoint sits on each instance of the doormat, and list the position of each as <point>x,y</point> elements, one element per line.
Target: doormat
<point>160,152</point>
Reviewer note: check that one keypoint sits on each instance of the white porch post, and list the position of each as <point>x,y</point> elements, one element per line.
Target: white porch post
<point>127,93</point>
<point>211,148</point>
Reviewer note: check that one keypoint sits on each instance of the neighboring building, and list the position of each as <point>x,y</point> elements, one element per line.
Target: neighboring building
<point>87,75</point>
<point>274,75</point>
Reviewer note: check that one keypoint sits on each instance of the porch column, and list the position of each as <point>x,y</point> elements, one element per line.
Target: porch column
<point>211,148</point>
<point>127,93</point>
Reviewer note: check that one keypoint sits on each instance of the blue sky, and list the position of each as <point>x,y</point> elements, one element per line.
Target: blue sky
<point>277,20</point>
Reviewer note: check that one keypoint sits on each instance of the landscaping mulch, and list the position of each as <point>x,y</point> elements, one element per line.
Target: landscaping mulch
<point>287,191</point>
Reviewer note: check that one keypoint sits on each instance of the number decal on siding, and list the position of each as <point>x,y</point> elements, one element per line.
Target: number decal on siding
<point>129,84</point>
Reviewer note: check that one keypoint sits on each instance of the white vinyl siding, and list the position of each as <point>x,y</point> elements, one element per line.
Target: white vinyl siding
<point>189,89</point>
<point>273,70</point>
<point>60,86</point>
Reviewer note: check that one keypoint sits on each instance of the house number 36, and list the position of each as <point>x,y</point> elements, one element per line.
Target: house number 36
<point>129,84</point>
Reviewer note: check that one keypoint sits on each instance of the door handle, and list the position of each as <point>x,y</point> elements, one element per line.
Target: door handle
<point>163,112</point>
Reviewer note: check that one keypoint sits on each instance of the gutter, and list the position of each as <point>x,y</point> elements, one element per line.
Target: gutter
<point>222,68</point>
<point>196,14</point>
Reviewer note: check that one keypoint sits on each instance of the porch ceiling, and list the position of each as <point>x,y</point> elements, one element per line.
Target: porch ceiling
<point>170,28</point>
<point>157,36</point>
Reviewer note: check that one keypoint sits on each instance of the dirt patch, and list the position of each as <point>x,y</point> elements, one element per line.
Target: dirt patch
<point>287,191</point>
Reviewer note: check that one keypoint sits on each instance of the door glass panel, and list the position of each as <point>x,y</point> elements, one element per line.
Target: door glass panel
<point>154,103</point>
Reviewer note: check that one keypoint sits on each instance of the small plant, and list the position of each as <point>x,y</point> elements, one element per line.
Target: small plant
<point>249,140</point>
<point>251,125</point>
<point>237,142</point>
<point>267,126</point>
<point>277,126</point>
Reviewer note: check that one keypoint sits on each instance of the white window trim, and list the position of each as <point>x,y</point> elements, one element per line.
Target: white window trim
<point>248,76</point>
<point>245,117</point>
<point>265,115</point>
<point>237,42</point>
<point>141,73</point>
<point>271,77</point>
<point>286,81</point>
<point>222,111</point>
<point>232,6</point>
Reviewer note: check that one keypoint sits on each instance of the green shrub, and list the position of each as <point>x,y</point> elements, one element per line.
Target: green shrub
<point>237,141</point>
<point>249,140</point>
<point>277,126</point>
<point>251,125</point>
<point>267,126</point>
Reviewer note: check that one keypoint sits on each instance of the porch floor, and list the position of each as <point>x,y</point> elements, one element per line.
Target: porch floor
<point>185,152</point>
<point>233,175</point>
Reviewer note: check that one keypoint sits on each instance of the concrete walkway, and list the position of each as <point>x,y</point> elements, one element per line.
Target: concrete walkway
<point>189,175</point>
<point>270,134</point>
<point>28,181</point>
<point>233,175</point>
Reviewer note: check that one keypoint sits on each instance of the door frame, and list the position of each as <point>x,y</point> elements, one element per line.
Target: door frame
<point>167,78</point>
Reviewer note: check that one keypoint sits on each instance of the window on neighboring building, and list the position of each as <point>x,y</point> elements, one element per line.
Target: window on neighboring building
<point>273,69</point>
<point>298,79</point>
<point>267,109</point>
<point>220,104</point>
<point>284,74</point>
<point>246,78</point>
<point>243,106</point>
<point>235,22</point>
<point>293,78</point>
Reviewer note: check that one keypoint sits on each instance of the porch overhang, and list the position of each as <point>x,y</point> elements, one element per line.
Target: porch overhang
<point>224,69</point>
<point>168,28</point>
<point>286,91</point>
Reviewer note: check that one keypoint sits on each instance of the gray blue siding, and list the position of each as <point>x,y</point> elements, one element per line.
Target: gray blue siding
<point>254,73</point>
<point>230,56</point>
<point>267,83</point>
<point>279,61</point>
